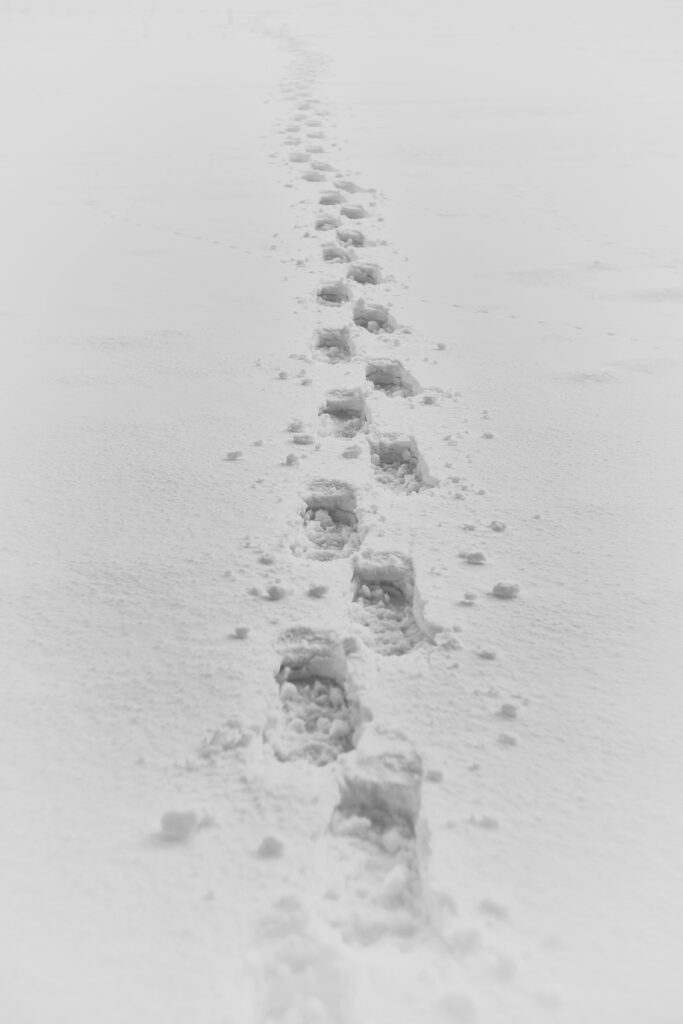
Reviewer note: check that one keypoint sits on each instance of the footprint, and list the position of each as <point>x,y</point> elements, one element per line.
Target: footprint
<point>321,165</point>
<point>373,317</point>
<point>397,463</point>
<point>384,597</point>
<point>352,236</point>
<point>330,523</point>
<point>391,377</point>
<point>377,813</point>
<point>343,412</point>
<point>299,158</point>
<point>313,176</point>
<point>333,293</point>
<point>326,222</point>
<point>336,254</point>
<point>315,149</point>
<point>331,198</point>
<point>365,273</point>
<point>334,344</point>
<point>320,717</point>
<point>354,211</point>
<point>348,186</point>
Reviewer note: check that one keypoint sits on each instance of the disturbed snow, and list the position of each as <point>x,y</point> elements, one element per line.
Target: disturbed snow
<point>342,562</point>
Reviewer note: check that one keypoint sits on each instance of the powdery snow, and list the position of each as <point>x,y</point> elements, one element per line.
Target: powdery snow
<point>341,589</point>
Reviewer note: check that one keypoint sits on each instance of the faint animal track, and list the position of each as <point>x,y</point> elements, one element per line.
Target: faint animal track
<point>365,273</point>
<point>373,317</point>
<point>330,522</point>
<point>333,344</point>
<point>343,412</point>
<point>384,597</point>
<point>397,462</point>
<point>391,377</point>
<point>336,254</point>
<point>320,716</point>
<point>333,293</point>
<point>352,236</point>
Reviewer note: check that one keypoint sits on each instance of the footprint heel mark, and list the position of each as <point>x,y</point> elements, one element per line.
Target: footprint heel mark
<point>391,377</point>
<point>333,293</point>
<point>352,236</point>
<point>378,813</point>
<point>333,344</point>
<point>330,521</point>
<point>384,599</point>
<point>343,413</point>
<point>373,316</point>
<point>320,716</point>
<point>336,254</point>
<point>365,273</point>
<point>398,464</point>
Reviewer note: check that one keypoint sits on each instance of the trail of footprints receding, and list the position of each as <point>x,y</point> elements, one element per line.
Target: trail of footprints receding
<point>322,716</point>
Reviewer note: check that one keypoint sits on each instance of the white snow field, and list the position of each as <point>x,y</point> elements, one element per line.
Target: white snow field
<point>340,513</point>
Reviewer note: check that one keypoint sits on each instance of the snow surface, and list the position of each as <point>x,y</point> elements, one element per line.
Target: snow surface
<point>341,632</point>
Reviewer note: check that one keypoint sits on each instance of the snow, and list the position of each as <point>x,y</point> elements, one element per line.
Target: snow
<point>278,746</point>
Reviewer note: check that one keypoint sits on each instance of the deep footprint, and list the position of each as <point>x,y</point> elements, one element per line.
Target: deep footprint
<point>336,254</point>
<point>378,812</point>
<point>391,377</point>
<point>352,236</point>
<point>373,317</point>
<point>333,293</point>
<point>343,412</point>
<point>326,222</point>
<point>330,523</point>
<point>397,463</point>
<point>320,718</point>
<point>384,597</point>
<point>365,273</point>
<point>333,344</point>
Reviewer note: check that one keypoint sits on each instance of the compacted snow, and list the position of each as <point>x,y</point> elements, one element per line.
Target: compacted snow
<point>340,519</point>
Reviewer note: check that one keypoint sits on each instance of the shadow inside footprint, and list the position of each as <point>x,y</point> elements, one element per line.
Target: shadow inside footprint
<point>384,595</point>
